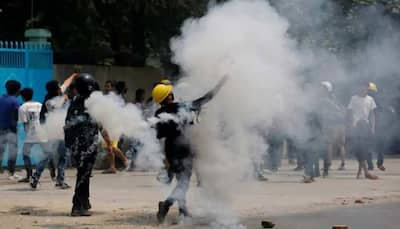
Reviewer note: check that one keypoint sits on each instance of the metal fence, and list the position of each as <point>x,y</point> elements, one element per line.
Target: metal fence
<point>31,63</point>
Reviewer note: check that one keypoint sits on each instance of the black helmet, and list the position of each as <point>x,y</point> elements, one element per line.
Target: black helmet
<point>85,84</point>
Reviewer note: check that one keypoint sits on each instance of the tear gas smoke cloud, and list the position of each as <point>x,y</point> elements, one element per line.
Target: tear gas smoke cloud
<point>361,46</point>
<point>121,119</point>
<point>269,72</point>
<point>54,125</point>
<point>247,41</point>
<point>259,48</point>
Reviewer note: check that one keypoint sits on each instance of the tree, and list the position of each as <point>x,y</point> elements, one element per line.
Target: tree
<point>123,32</point>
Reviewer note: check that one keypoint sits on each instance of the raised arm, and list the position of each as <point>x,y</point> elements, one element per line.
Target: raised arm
<point>68,81</point>
<point>198,103</point>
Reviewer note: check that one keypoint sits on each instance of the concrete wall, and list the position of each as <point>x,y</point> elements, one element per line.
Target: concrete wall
<point>134,77</point>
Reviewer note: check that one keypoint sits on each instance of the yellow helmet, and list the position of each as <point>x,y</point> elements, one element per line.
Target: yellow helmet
<point>161,92</point>
<point>372,87</point>
<point>166,82</point>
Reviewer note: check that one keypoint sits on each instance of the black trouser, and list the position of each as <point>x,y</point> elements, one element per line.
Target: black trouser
<point>9,138</point>
<point>84,154</point>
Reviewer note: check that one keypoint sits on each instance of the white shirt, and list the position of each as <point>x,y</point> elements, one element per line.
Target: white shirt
<point>361,107</point>
<point>29,114</point>
<point>55,103</point>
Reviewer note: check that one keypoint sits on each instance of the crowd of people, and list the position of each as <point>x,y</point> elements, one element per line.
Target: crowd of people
<point>333,127</point>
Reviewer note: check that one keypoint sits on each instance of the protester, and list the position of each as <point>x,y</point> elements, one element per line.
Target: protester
<point>294,152</point>
<point>29,114</point>
<point>361,110</point>
<point>54,99</point>
<point>9,106</point>
<point>179,157</point>
<point>275,139</point>
<point>110,87</point>
<point>135,144</point>
<point>332,116</point>
<point>313,147</point>
<point>81,135</point>
<point>140,98</point>
<point>381,127</point>
<point>121,90</point>
<point>115,152</point>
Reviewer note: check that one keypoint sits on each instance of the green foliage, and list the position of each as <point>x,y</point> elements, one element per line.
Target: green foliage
<point>126,32</point>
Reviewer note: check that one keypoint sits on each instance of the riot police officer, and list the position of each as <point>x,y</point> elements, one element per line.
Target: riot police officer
<point>81,135</point>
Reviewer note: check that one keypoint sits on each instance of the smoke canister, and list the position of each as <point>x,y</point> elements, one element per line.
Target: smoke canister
<point>340,227</point>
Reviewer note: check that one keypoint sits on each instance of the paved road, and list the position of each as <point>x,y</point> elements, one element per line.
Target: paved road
<point>129,200</point>
<point>379,216</point>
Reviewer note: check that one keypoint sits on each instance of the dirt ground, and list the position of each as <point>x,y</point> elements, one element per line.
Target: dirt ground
<point>129,200</point>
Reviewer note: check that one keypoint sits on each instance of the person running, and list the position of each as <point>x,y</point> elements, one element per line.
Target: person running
<point>115,152</point>
<point>81,135</point>
<point>179,157</point>
<point>109,88</point>
<point>361,110</point>
<point>9,106</point>
<point>54,99</point>
<point>28,115</point>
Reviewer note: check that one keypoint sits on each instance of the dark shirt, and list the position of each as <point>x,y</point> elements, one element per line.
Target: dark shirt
<point>171,128</point>
<point>9,112</point>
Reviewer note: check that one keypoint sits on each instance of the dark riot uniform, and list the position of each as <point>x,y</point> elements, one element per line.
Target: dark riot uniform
<point>81,135</point>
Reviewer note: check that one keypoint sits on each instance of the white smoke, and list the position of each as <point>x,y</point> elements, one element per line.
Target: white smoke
<point>121,119</point>
<point>271,75</point>
<point>54,125</point>
<point>246,40</point>
<point>55,118</point>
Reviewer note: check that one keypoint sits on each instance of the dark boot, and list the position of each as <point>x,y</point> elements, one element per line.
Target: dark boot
<point>163,208</point>
<point>34,182</point>
<point>183,211</point>
<point>53,173</point>
<point>86,205</point>
<point>78,210</point>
